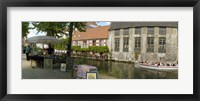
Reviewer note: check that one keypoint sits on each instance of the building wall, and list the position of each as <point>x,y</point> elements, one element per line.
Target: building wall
<point>171,54</point>
<point>89,42</point>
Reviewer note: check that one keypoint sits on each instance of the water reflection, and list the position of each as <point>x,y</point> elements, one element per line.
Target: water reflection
<point>122,70</point>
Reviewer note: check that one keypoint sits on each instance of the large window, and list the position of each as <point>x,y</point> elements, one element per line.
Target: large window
<point>162,45</point>
<point>126,31</point>
<point>150,30</point>
<point>125,44</point>
<point>116,44</point>
<point>117,32</point>
<point>150,44</point>
<point>162,30</point>
<point>137,30</point>
<point>137,48</point>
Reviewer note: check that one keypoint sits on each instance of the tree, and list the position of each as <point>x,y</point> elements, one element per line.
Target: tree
<point>58,29</point>
<point>25,28</point>
<point>61,46</point>
<point>54,29</point>
<point>80,26</point>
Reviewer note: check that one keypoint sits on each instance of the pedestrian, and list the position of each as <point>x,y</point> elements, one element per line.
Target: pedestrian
<point>51,50</point>
<point>27,52</point>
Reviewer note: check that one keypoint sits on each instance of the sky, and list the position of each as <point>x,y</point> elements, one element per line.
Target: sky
<point>103,23</point>
<point>34,32</point>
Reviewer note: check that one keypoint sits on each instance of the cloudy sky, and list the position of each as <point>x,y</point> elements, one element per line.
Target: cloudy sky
<point>34,31</point>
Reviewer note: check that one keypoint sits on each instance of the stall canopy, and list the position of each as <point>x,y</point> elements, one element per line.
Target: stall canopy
<point>43,39</point>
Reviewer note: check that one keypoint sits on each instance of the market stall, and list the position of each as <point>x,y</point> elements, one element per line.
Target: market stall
<point>45,57</point>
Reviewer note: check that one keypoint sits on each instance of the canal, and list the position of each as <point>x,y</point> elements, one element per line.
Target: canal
<point>124,70</point>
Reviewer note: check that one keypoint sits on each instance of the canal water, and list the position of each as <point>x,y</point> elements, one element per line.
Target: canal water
<point>124,70</point>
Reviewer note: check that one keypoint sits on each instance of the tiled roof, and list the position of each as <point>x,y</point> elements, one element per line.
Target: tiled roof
<point>119,25</point>
<point>92,33</point>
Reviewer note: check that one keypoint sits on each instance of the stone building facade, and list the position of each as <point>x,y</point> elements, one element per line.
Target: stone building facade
<point>144,41</point>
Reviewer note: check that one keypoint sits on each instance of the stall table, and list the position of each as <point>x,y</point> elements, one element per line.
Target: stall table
<point>40,59</point>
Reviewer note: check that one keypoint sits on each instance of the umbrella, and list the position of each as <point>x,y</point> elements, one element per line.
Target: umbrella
<point>43,39</point>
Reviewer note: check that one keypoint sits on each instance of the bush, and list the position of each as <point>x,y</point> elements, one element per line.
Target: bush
<point>61,46</point>
<point>76,48</point>
<point>103,49</point>
<point>92,48</point>
<point>84,49</point>
<point>99,49</point>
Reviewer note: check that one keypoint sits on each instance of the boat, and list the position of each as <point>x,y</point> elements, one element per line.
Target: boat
<point>162,68</point>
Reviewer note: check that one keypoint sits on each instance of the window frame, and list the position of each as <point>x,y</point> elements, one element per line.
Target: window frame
<point>126,42</point>
<point>162,43</point>
<point>150,47</point>
<point>137,47</point>
<point>116,49</point>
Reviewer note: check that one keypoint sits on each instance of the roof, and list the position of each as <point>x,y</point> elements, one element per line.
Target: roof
<point>91,24</point>
<point>119,25</point>
<point>100,32</point>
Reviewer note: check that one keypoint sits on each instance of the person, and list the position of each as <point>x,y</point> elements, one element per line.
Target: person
<point>50,50</point>
<point>27,52</point>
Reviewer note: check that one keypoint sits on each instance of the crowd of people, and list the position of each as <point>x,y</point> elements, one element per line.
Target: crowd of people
<point>159,63</point>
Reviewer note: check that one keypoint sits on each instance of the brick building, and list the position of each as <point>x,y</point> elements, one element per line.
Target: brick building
<point>93,36</point>
<point>151,41</point>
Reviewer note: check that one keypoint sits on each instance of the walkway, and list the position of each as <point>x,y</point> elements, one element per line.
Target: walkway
<point>39,73</point>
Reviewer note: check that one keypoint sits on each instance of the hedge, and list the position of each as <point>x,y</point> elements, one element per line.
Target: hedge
<point>96,49</point>
<point>76,48</point>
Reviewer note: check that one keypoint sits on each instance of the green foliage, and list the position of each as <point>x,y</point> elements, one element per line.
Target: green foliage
<point>102,49</point>
<point>76,48</point>
<point>58,28</point>
<point>25,28</point>
<point>37,49</point>
<point>80,26</point>
<point>96,49</point>
<point>61,46</point>
<point>51,28</point>
<point>99,49</point>
<point>93,48</point>
<point>84,49</point>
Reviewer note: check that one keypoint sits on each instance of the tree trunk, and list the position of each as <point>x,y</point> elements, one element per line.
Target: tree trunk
<point>70,39</point>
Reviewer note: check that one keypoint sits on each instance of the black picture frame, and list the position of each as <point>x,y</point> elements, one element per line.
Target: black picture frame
<point>98,3</point>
